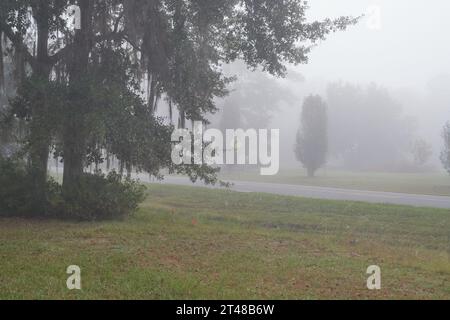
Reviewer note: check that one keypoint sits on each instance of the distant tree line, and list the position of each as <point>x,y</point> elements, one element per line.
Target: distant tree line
<point>363,129</point>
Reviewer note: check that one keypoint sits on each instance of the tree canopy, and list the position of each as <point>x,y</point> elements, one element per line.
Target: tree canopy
<point>93,91</point>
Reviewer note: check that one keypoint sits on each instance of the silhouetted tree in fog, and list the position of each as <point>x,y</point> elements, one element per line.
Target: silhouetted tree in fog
<point>368,129</point>
<point>255,97</point>
<point>445,155</point>
<point>422,151</point>
<point>312,137</point>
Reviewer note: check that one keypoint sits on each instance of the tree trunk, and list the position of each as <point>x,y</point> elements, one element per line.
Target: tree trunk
<point>73,152</point>
<point>129,170</point>
<point>74,130</point>
<point>40,135</point>
<point>2,68</point>
<point>311,172</point>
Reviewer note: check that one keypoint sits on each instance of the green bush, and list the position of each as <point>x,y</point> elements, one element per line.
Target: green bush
<point>100,198</point>
<point>15,185</point>
<point>16,190</point>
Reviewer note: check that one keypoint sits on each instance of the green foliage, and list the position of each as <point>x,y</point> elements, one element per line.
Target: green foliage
<point>312,138</point>
<point>102,198</point>
<point>15,185</point>
<point>81,94</point>
<point>14,189</point>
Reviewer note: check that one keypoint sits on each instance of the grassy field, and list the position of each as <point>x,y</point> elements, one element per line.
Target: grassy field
<point>192,243</point>
<point>416,183</point>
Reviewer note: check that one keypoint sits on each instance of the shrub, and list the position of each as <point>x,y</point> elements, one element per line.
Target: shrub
<point>102,198</point>
<point>15,184</point>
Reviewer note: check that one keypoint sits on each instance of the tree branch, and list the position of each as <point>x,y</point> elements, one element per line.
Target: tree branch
<point>58,56</point>
<point>17,42</point>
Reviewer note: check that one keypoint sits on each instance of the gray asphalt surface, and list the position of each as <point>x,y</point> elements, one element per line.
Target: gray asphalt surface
<point>327,193</point>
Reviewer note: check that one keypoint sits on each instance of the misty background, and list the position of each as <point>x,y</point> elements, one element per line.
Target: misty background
<point>386,82</point>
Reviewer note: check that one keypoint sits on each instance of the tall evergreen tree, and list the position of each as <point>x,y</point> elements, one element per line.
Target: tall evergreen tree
<point>312,138</point>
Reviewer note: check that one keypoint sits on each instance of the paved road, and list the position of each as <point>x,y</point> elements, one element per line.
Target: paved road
<point>329,193</point>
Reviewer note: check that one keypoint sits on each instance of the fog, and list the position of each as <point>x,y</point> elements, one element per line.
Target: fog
<point>400,52</point>
<point>406,49</point>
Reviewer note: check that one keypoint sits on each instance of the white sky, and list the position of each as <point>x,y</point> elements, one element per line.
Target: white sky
<point>410,48</point>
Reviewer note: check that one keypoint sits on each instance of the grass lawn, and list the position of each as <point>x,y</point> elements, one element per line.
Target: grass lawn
<point>194,243</point>
<point>416,183</point>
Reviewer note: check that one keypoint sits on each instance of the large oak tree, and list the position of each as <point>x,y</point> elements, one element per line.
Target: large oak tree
<point>94,89</point>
